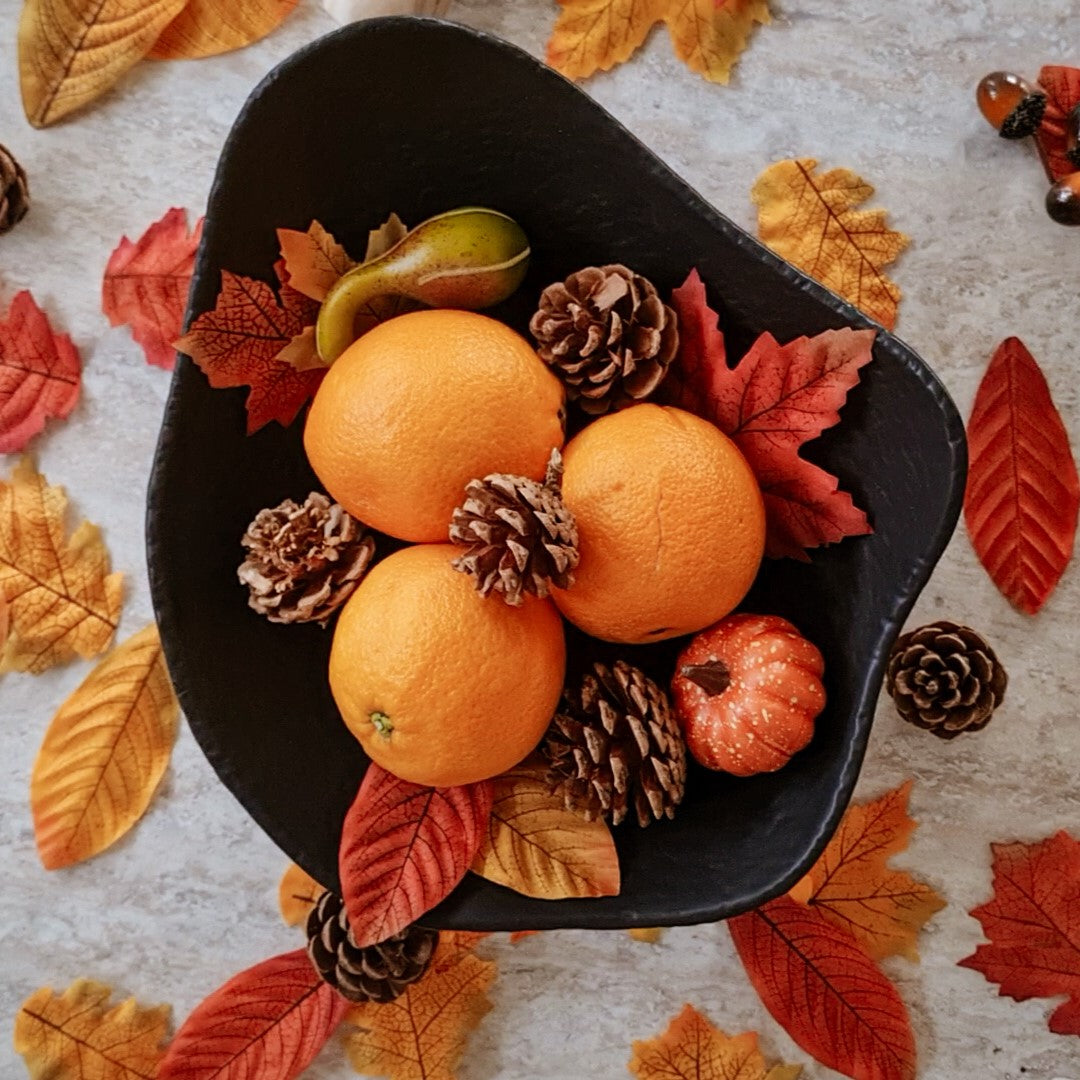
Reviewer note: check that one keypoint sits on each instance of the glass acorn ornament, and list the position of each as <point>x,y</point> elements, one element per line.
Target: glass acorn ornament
<point>1012,106</point>
<point>1063,200</point>
<point>1072,136</point>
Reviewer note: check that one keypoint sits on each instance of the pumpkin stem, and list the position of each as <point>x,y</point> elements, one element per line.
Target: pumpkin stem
<point>714,677</point>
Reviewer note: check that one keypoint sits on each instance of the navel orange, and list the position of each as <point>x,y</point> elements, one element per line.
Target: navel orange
<point>422,404</point>
<point>441,685</point>
<point>670,520</point>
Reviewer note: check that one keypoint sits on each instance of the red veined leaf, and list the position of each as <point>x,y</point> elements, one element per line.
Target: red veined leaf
<point>825,991</point>
<point>1062,86</point>
<point>404,847</point>
<point>1022,492</point>
<point>40,373</point>
<point>268,1023</point>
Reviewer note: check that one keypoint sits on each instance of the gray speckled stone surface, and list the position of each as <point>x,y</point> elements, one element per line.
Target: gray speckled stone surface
<point>188,898</point>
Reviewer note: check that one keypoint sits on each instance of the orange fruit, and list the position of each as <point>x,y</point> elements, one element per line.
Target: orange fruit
<point>670,520</point>
<point>419,406</point>
<point>441,685</point>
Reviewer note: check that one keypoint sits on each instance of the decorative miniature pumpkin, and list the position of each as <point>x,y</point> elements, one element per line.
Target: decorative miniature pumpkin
<point>747,691</point>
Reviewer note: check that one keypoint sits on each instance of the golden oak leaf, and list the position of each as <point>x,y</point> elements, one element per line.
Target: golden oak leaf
<point>104,753</point>
<point>536,846</point>
<point>693,1048</point>
<point>62,600</point>
<point>811,220</point>
<point>210,27</point>
<point>421,1034</point>
<point>78,1036</point>
<point>852,886</point>
<point>298,893</point>
<point>72,51</point>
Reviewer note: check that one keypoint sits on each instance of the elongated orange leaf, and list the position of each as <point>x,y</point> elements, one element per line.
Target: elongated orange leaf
<point>104,753</point>
<point>811,220</point>
<point>314,260</point>
<point>404,847</point>
<point>80,1035</point>
<point>536,846</point>
<point>693,1049</point>
<point>851,884</point>
<point>210,27</point>
<point>267,1023</point>
<point>1022,493</point>
<point>61,597</point>
<point>72,51</point>
<point>421,1035</point>
<point>298,893</point>
<point>710,35</point>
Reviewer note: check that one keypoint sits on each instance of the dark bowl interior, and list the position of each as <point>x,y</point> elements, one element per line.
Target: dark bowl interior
<point>417,116</point>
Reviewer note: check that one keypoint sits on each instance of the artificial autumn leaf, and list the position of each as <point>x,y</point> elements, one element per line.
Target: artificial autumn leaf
<point>851,884</point>
<point>391,232</point>
<point>1033,923</point>
<point>521,935</point>
<point>238,342</point>
<point>693,1049</point>
<point>104,753</point>
<point>79,1035</point>
<point>535,846</point>
<point>62,600</point>
<point>210,27</point>
<point>825,991</point>
<point>708,35</point>
<point>650,935</point>
<point>1022,493</point>
<point>146,285</point>
<point>40,373</point>
<point>811,220</point>
<point>267,1022</point>
<point>314,260</point>
<point>404,847</point>
<point>298,893</point>
<point>775,399</point>
<point>72,51</point>
<point>421,1034</point>
<point>1062,86</point>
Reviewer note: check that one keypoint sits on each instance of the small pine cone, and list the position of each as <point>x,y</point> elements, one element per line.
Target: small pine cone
<point>615,741</point>
<point>379,972</point>
<point>518,533</point>
<point>14,191</point>
<point>607,334</point>
<point>303,561</point>
<point>946,678</point>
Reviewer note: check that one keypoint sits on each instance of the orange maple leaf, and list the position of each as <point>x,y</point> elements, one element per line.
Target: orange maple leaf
<point>811,220</point>
<point>708,35</point>
<point>851,884</point>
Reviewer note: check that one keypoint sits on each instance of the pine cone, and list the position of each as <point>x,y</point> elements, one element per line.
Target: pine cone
<point>14,191</point>
<point>607,334</point>
<point>379,972</point>
<point>304,561</point>
<point>518,533</point>
<point>946,678</point>
<point>613,741</point>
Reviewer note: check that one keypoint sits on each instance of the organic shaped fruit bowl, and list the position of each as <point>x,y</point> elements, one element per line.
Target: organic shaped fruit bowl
<point>417,116</point>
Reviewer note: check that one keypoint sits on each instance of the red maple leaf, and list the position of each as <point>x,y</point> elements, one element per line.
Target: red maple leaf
<point>1033,923</point>
<point>40,373</point>
<point>1062,86</point>
<point>825,991</point>
<point>774,400</point>
<point>1022,494</point>
<point>238,342</point>
<point>146,285</point>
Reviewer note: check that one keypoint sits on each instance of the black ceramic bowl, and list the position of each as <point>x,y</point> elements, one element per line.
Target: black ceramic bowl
<point>418,116</point>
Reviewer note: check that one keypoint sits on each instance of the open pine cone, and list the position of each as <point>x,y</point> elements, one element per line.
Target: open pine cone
<point>303,561</point>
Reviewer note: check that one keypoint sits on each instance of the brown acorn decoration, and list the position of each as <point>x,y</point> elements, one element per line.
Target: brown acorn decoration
<point>14,191</point>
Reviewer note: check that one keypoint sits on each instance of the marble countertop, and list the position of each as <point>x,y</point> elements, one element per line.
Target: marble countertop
<point>189,897</point>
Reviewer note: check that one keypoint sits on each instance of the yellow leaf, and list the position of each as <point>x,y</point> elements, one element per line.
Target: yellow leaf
<point>692,1047</point>
<point>810,219</point>
<point>709,36</point>
<point>104,753</point>
<point>851,885</point>
<point>62,600</point>
<point>72,51</point>
<point>77,1036</point>
<point>210,27</point>
<point>648,934</point>
<point>421,1035</point>
<point>537,847</point>
<point>298,893</point>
